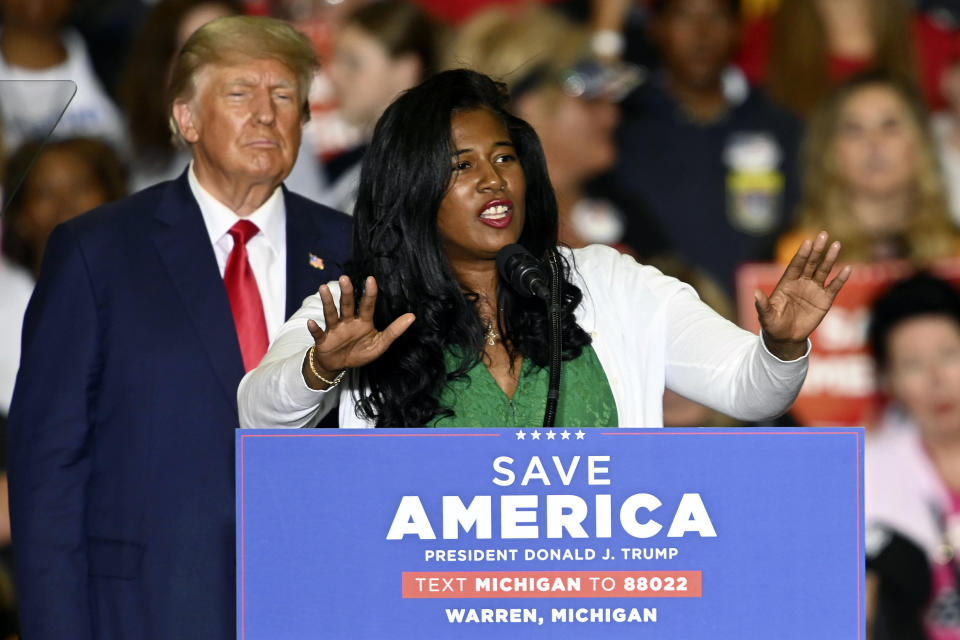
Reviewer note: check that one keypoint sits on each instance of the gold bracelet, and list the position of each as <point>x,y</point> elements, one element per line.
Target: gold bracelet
<point>313,370</point>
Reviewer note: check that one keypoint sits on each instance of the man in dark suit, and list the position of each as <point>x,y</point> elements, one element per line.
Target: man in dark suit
<point>147,313</point>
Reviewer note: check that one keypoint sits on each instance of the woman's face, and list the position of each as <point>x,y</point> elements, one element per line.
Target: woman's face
<point>60,186</point>
<point>923,373</point>
<point>877,145</point>
<point>483,209</point>
<point>697,39</point>
<point>365,78</point>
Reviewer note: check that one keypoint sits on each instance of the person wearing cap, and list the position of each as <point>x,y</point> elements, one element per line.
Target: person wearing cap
<point>570,98</point>
<point>712,158</point>
<point>146,315</point>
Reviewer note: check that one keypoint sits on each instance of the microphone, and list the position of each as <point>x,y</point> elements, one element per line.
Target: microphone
<point>523,272</point>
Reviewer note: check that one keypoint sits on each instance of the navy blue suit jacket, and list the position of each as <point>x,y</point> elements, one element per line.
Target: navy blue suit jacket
<point>122,424</point>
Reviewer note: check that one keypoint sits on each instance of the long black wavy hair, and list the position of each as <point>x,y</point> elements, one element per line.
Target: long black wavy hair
<point>406,173</point>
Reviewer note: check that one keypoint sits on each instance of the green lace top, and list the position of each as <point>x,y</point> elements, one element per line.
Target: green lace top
<point>478,401</point>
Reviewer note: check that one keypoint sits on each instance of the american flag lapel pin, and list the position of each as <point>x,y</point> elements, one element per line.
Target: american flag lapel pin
<point>316,262</point>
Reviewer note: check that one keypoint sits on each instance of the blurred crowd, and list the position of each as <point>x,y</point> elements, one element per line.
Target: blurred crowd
<point>696,135</point>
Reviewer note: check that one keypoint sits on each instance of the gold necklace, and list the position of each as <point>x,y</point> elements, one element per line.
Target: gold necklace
<point>491,334</point>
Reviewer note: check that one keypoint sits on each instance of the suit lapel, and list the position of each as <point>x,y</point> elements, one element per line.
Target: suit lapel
<point>299,279</point>
<point>311,261</point>
<point>184,245</point>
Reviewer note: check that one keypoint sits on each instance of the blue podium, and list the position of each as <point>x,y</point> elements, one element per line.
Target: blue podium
<point>673,534</point>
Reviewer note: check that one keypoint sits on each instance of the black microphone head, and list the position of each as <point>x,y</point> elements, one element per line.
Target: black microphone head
<point>522,271</point>
<point>507,259</point>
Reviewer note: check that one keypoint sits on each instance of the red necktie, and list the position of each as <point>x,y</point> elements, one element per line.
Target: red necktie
<point>245,297</point>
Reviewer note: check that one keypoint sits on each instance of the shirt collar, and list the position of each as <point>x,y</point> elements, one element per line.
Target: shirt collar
<point>733,82</point>
<point>270,217</point>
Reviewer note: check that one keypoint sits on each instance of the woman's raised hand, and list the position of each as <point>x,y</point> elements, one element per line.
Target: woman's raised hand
<point>801,299</point>
<point>349,339</point>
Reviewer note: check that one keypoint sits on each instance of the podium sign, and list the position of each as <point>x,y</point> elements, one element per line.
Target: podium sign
<point>505,533</point>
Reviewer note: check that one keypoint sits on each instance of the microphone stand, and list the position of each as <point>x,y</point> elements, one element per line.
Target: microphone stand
<point>553,336</point>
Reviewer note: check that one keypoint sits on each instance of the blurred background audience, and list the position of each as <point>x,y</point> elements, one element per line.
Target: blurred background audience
<point>912,463</point>
<point>808,46</point>
<point>381,50</point>
<point>36,45</point>
<point>712,157</point>
<point>57,181</point>
<point>44,185</point>
<point>672,130</point>
<point>945,124</point>
<point>871,176</point>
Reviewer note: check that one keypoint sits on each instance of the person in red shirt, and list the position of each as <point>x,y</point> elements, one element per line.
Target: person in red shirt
<point>810,46</point>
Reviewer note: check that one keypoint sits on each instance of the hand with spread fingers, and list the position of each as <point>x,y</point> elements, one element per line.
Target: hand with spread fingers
<point>350,338</point>
<point>801,298</point>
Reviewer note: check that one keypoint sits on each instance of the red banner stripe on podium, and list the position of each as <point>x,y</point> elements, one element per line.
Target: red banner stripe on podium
<point>552,584</point>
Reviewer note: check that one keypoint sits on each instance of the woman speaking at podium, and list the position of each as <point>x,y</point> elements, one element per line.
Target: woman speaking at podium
<point>426,332</point>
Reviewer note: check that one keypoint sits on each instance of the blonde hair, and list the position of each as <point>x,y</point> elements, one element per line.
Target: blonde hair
<point>235,38</point>
<point>929,233</point>
<point>510,46</point>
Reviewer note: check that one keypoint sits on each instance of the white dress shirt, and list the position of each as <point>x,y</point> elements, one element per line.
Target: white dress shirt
<point>16,286</point>
<point>266,251</point>
<point>649,331</point>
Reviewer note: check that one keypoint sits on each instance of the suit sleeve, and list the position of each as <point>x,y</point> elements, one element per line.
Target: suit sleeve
<point>49,431</point>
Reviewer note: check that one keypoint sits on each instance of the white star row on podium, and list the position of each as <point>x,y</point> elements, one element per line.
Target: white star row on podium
<point>551,435</point>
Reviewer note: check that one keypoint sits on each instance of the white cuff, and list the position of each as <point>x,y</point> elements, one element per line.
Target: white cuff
<point>303,393</point>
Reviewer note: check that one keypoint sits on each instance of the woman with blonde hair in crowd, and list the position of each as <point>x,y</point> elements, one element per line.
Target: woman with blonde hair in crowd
<point>871,176</point>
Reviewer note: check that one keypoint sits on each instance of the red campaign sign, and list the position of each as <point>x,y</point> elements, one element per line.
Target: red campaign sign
<point>840,389</point>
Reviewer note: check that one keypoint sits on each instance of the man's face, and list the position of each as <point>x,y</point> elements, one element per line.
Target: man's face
<point>697,39</point>
<point>243,122</point>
